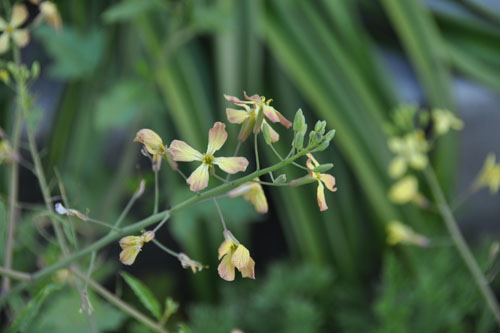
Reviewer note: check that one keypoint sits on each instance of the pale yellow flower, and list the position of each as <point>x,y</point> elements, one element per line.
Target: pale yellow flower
<point>322,178</point>
<point>50,13</point>
<point>154,145</point>
<point>252,192</point>
<point>248,116</point>
<point>444,120</point>
<point>490,174</point>
<point>406,190</point>
<point>132,245</point>
<point>399,233</point>
<point>217,136</point>
<point>10,30</point>
<point>410,150</point>
<point>234,255</point>
<point>187,262</point>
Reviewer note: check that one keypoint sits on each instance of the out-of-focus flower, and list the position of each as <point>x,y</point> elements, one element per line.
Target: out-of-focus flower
<point>50,13</point>
<point>187,262</point>
<point>4,76</point>
<point>252,192</point>
<point>411,150</point>
<point>132,245</point>
<point>322,178</point>
<point>399,233</point>
<point>217,136</point>
<point>406,190</point>
<point>10,30</point>
<point>154,145</point>
<point>61,210</point>
<point>6,152</point>
<point>444,120</point>
<point>490,174</point>
<point>249,116</point>
<point>234,255</point>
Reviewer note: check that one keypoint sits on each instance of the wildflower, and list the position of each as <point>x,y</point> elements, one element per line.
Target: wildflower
<point>217,136</point>
<point>61,210</point>
<point>252,192</point>
<point>234,255</point>
<point>11,29</point>
<point>132,245</point>
<point>50,13</point>
<point>188,262</point>
<point>444,120</point>
<point>6,152</point>
<point>248,117</point>
<point>411,150</point>
<point>321,178</point>
<point>406,190</point>
<point>153,144</point>
<point>398,232</point>
<point>490,174</point>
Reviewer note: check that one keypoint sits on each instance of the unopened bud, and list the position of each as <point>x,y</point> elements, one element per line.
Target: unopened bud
<point>320,127</point>
<point>329,136</point>
<point>299,121</point>
<point>267,134</point>
<point>246,129</point>
<point>281,179</point>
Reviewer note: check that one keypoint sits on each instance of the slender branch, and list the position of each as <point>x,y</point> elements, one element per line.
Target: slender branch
<point>162,222</point>
<point>461,244</point>
<point>114,235</point>
<point>281,158</point>
<point>166,249</point>
<point>119,303</point>
<point>157,193</point>
<point>15,274</point>
<point>256,147</point>
<point>220,214</point>
<point>269,184</point>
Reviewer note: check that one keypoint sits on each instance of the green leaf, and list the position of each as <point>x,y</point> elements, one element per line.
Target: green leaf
<point>31,310</point>
<point>128,10</point>
<point>75,55</point>
<point>144,294</point>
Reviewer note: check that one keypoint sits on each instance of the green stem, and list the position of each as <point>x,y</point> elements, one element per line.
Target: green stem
<point>15,274</point>
<point>461,245</point>
<point>119,303</point>
<point>256,147</point>
<point>269,184</point>
<point>13,194</point>
<point>112,236</point>
<point>281,158</point>
<point>157,193</point>
<point>166,249</point>
<point>220,214</point>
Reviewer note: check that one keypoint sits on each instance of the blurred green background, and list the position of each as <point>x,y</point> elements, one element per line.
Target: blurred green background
<point>119,66</point>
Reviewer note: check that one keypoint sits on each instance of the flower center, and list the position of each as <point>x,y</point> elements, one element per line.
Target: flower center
<point>208,159</point>
<point>316,175</point>
<point>9,30</point>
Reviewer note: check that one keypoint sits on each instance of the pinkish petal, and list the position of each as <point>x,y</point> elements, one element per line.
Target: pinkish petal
<point>270,113</point>
<point>225,248</point>
<point>311,161</point>
<point>249,270</point>
<point>236,116</point>
<point>231,164</point>
<point>182,152</point>
<point>274,135</point>
<point>285,122</point>
<point>226,269</point>
<point>329,181</point>
<point>321,197</point>
<point>217,136</point>
<point>199,178</point>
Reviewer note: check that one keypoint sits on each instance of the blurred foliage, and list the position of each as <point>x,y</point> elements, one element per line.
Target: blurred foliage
<point>118,66</point>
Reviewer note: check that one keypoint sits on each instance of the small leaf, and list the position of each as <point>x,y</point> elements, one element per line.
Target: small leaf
<point>144,294</point>
<point>29,313</point>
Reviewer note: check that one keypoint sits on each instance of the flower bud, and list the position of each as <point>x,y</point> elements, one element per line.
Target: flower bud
<point>148,236</point>
<point>329,136</point>
<point>299,121</point>
<point>281,179</point>
<point>258,120</point>
<point>267,134</point>
<point>320,127</point>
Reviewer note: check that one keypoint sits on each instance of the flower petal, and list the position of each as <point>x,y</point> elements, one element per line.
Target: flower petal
<point>21,37</point>
<point>249,271</point>
<point>225,248</point>
<point>3,24</point>
<point>258,199</point>
<point>311,161</point>
<point>274,135</point>
<point>236,116</point>
<point>182,152</point>
<point>151,140</point>
<point>240,190</point>
<point>285,122</point>
<point>240,257</point>
<point>397,167</point>
<point>128,254</point>
<point>271,113</point>
<point>226,269</point>
<point>321,197</point>
<point>19,15</point>
<point>231,164</point>
<point>234,99</point>
<point>131,241</point>
<point>217,136</point>
<point>199,178</point>
<point>4,42</point>
<point>329,181</point>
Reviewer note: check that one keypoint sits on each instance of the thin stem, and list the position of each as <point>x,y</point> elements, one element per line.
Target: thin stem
<point>220,214</point>
<point>281,158</point>
<point>220,178</point>
<point>268,183</point>
<point>129,205</point>
<point>256,147</point>
<point>272,177</point>
<point>162,222</point>
<point>15,274</point>
<point>166,249</point>
<point>181,173</point>
<point>461,245</point>
<point>157,193</point>
<point>13,194</point>
<point>90,269</point>
<point>119,303</point>
<point>114,235</point>
<point>101,223</point>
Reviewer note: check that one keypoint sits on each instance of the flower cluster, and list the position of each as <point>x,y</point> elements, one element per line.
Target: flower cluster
<point>234,255</point>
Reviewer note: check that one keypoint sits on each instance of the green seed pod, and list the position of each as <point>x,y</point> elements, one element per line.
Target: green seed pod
<point>302,181</point>
<point>298,141</point>
<point>267,134</point>
<point>246,129</point>
<point>258,121</point>
<point>323,168</point>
